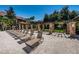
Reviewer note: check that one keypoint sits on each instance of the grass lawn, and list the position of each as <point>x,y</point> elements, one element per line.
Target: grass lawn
<point>56,30</point>
<point>46,30</point>
<point>59,30</point>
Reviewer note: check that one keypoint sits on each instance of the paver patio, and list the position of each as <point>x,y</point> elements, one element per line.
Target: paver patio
<point>9,44</point>
<point>51,44</point>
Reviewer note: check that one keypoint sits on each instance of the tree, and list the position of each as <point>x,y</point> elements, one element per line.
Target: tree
<point>1,18</point>
<point>46,18</point>
<point>64,13</point>
<point>6,23</point>
<point>73,14</point>
<point>32,18</point>
<point>54,16</point>
<point>10,13</point>
<point>1,23</point>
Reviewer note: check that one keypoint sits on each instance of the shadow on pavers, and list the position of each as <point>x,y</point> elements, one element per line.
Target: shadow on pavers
<point>20,42</point>
<point>28,48</point>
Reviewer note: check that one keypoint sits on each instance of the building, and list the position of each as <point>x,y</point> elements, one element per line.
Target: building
<point>21,23</point>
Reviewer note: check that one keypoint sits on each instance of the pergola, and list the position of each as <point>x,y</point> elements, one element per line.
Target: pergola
<point>70,26</point>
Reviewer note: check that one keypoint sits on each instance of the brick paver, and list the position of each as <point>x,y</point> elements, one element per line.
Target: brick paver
<point>50,45</point>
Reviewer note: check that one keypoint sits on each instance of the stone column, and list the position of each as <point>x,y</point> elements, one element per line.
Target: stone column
<point>39,27</point>
<point>19,26</point>
<point>26,27</point>
<point>42,26</point>
<point>68,31</point>
<point>46,25</point>
<point>22,26</point>
<point>31,26</point>
<point>72,28</point>
<point>50,28</point>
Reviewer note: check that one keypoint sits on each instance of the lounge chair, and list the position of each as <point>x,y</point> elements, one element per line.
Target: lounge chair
<point>22,33</point>
<point>35,41</point>
<point>27,36</point>
<point>18,33</point>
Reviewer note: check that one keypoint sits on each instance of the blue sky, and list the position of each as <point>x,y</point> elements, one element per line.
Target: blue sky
<point>36,10</point>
